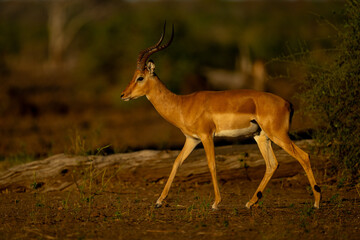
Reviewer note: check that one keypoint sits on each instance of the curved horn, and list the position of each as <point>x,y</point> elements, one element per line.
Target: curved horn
<point>145,54</point>
<point>141,54</point>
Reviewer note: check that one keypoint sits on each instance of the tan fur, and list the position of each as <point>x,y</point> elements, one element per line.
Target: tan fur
<point>203,115</point>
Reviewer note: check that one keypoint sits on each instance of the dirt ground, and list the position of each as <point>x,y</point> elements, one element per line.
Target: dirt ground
<point>126,210</point>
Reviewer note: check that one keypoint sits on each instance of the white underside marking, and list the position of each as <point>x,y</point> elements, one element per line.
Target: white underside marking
<point>237,132</point>
<point>193,136</point>
<point>232,132</point>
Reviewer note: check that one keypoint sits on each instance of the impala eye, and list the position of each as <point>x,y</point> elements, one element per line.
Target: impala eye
<point>140,79</point>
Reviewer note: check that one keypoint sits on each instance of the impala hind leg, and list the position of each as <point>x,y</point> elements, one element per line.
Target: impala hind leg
<point>189,146</point>
<point>289,146</point>
<point>267,152</point>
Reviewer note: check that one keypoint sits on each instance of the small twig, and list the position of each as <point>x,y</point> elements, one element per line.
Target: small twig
<point>357,189</point>
<point>37,231</point>
<point>77,185</point>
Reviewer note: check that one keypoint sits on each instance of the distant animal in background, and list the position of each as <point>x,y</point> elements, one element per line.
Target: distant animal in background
<point>248,74</point>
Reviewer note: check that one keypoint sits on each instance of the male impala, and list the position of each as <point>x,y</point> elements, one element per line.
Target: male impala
<point>203,115</point>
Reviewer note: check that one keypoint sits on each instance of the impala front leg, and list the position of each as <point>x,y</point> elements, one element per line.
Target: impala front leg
<point>189,146</point>
<point>208,143</point>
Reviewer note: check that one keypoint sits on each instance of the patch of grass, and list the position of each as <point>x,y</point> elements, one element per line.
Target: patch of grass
<point>151,214</point>
<point>307,210</point>
<point>65,202</point>
<point>235,212</point>
<point>358,188</point>
<point>309,190</point>
<point>39,204</point>
<point>198,210</point>
<point>77,144</point>
<point>337,201</point>
<point>242,160</point>
<point>83,144</point>
<point>117,215</point>
<point>34,184</point>
<point>102,150</point>
<point>92,182</point>
<point>306,215</point>
<point>201,207</point>
<point>260,203</point>
<point>16,159</point>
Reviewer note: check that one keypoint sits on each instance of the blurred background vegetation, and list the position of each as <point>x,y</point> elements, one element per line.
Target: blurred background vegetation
<point>64,63</point>
<point>331,91</point>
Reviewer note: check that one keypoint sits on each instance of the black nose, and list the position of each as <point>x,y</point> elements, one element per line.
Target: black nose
<point>122,95</point>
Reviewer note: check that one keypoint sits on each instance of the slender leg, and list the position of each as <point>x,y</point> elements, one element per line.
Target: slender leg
<point>208,143</point>
<point>303,158</point>
<point>267,152</point>
<point>189,146</point>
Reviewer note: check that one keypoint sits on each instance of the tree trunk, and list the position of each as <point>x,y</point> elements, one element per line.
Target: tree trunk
<point>56,24</point>
<point>61,171</point>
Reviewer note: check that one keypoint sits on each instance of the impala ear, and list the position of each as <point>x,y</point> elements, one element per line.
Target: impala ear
<point>150,67</point>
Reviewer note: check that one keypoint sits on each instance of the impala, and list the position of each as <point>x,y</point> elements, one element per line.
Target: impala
<point>203,115</point>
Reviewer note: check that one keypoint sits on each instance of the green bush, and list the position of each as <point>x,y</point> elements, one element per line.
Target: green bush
<point>331,95</point>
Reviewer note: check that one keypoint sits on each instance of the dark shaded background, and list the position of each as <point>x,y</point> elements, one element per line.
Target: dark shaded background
<point>63,65</point>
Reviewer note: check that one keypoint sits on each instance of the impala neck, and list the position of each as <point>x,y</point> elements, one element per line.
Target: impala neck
<point>164,101</point>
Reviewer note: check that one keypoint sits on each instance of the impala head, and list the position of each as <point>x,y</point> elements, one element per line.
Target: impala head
<point>139,85</point>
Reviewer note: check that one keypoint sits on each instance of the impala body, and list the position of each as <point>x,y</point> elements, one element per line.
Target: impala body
<point>203,115</point>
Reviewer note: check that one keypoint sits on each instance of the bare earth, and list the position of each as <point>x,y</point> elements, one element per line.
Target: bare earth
<point>104,205</point>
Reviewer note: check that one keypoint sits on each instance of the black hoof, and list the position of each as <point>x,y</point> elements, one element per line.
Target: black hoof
<point>158,205</point>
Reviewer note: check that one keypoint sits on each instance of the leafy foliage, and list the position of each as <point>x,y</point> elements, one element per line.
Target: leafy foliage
<point>331,93</point>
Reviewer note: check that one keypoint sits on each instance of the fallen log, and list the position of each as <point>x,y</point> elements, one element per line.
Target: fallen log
<point>60,172</point>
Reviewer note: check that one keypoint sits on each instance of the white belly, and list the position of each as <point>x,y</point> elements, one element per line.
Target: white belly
<point>237,132</point>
